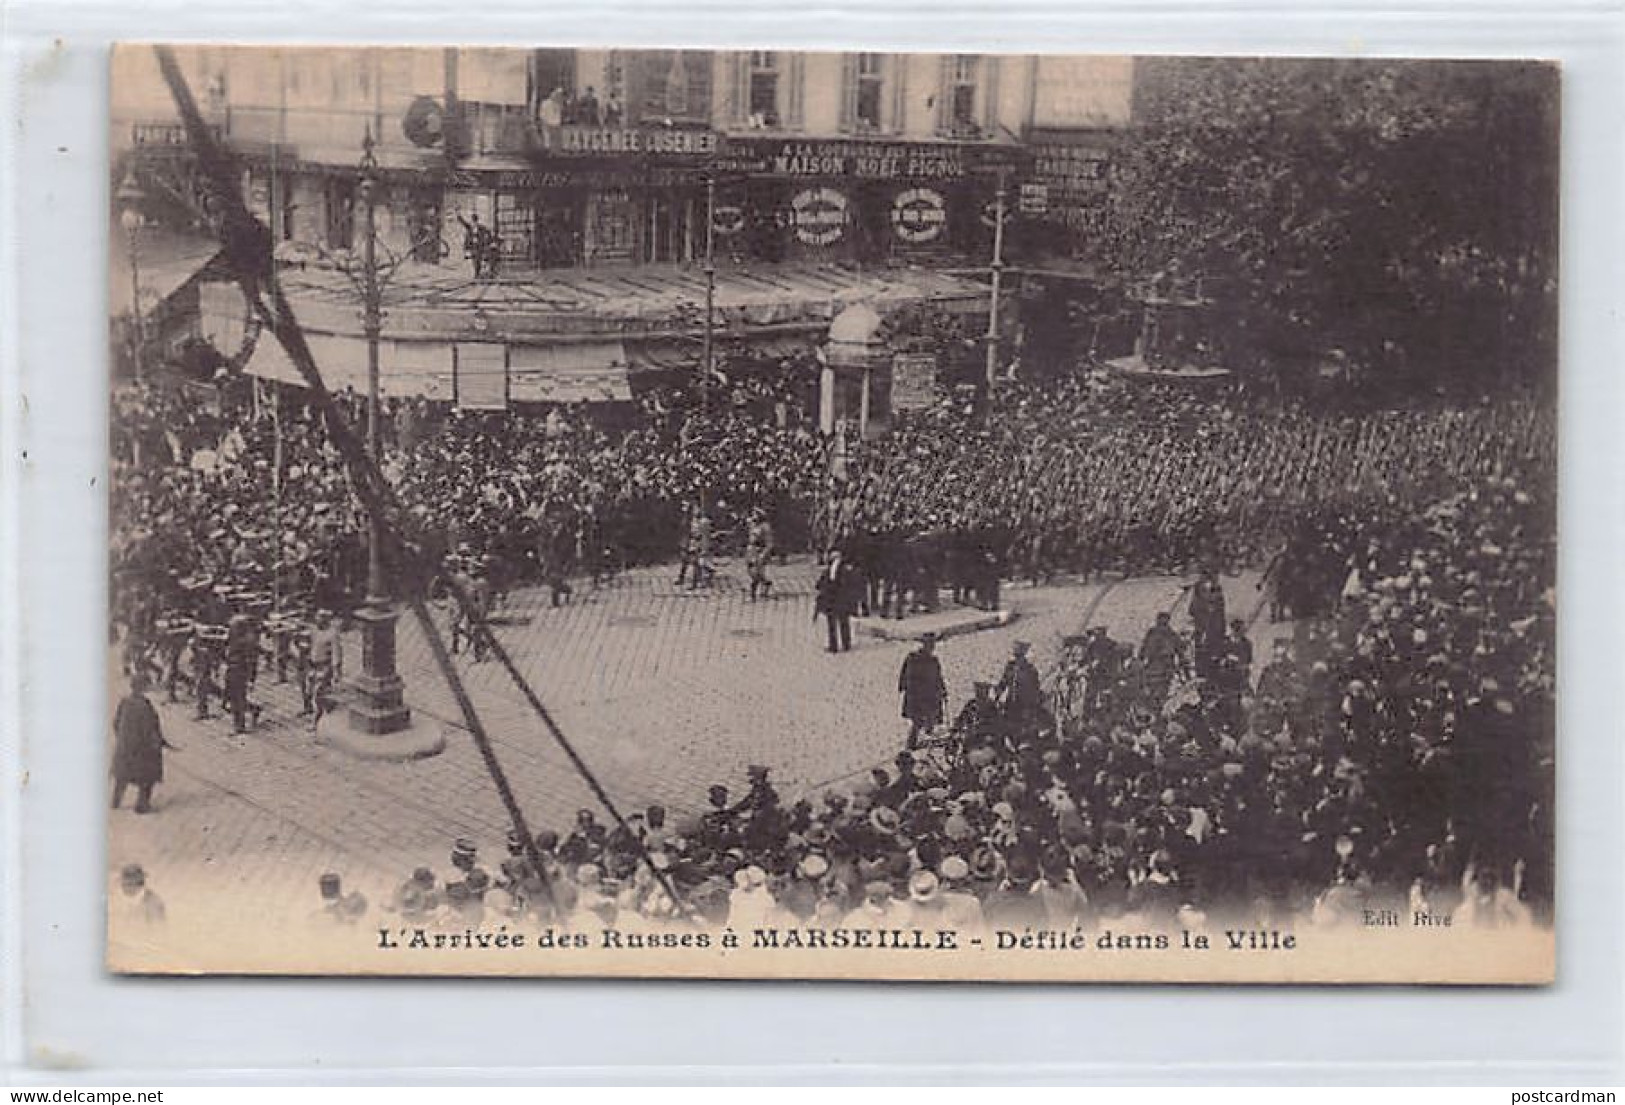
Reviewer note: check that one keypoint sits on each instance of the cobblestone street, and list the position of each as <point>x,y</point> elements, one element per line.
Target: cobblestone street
<point>664,691</point>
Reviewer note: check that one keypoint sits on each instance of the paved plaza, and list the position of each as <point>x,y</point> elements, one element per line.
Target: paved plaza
<point>663,691</point>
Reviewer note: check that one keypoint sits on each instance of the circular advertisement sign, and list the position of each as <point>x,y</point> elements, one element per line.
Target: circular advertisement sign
<point>818,216</point>
<point>918,215</point>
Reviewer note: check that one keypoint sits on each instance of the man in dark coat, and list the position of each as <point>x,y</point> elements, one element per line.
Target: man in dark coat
<point>1020,689</point>
<point>925,695</point>
<point>837,600</point>
<point>138,746</point>
<point>1162,657</point>
<point>1207,620</point>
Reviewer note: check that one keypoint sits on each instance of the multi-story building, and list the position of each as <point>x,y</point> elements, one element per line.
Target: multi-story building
<point>812,182</point>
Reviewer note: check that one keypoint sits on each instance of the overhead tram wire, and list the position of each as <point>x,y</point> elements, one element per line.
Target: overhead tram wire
<point>242,239</point>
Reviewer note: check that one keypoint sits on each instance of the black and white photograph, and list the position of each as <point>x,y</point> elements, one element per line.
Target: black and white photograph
<point>881,516</point>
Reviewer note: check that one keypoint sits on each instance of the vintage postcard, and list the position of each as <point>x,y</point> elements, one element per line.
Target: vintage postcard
<point>832,515</point>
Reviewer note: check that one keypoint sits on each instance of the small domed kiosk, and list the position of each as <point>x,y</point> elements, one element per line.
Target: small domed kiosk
<point>855,386</point>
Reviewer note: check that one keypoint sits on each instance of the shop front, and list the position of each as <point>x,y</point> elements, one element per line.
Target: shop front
<point>853,200</point>
<point>594,196</point>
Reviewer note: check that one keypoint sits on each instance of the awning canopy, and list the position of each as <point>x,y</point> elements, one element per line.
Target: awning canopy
<point>645,302</point>
<point>165,259</point>
<point>575,372</point>
<point>685,354</point>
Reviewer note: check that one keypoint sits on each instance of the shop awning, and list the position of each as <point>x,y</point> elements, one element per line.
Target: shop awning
<point>166,260</point>
<point>683,355</point>
<point>570,372</point>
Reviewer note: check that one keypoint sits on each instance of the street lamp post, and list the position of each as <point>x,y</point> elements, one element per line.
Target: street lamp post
<point>131,219</point>
<point>379,707</point>
<point>996,268</point>
<point>710,284</point>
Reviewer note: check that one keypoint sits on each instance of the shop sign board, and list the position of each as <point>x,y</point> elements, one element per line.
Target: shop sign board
<point>918,215</point>
<point>818,216</point>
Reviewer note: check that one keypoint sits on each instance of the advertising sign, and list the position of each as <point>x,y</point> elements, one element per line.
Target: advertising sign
<point>818,216</point>
<point>918,215</point>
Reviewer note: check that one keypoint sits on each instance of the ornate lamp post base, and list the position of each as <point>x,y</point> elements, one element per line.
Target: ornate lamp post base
<point>378,725</point>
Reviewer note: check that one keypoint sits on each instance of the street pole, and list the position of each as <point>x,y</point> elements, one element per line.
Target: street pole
<point>710,286</point>
<point>135,300</point>
<point>276,496</point>
<point>997,271</point>
<point>372,329</point>
<point>380,707</point>
<point>130,198</point>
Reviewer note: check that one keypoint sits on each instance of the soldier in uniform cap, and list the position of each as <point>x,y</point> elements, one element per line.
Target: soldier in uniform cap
<point>331,889</point>
<point>206,650</point>
<point>696,550</point>
<point>758,548</point>
<point>465,858</point>
<point>326,665</point>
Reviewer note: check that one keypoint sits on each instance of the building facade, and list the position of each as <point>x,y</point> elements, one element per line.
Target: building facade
<point>603,189</point>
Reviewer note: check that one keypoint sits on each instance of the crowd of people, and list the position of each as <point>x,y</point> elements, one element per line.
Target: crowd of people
<point>1395,747</point>
<point>1085,478</point>
<point>1393,754</point>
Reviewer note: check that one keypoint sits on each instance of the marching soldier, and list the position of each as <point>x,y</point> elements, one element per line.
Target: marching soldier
<point>207,648</point>
<point>326,665</point>
<point>758,548</point>
<point>175,633</point>
<point>696,551</point>
<point>242,653</point>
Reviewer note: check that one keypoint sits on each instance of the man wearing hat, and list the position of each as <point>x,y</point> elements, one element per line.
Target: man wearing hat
<point>925,694</point>
<point>1019,687</point>
<point>750,902</point>
<point>960,909</point>
<point>330,912</point>
<point>135,903</point>
<point>837,599</point>
<point>465,858</point>
<point>586,843</point>
<point>138,746</point>
<point>879,907</point>
<point>1162,657</point>
<point>416,899</point>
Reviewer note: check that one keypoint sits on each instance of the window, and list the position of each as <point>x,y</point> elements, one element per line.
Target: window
<point>866,105</point>
<point>763,102</point>
<point>677,85</point>
<point>960,96</point>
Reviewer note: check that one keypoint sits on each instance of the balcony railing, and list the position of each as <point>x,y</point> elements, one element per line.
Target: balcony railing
<point>165,134</point>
